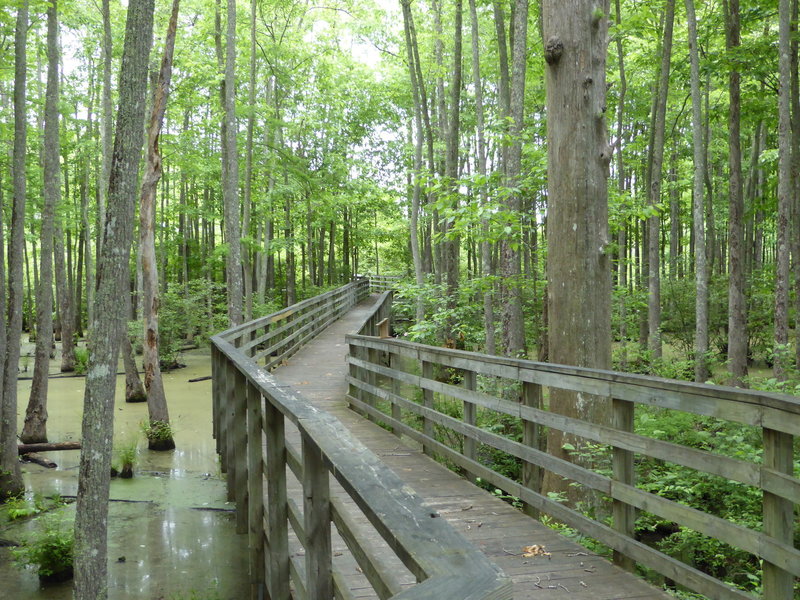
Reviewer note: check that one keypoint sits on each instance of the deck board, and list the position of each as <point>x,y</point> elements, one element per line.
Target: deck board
<point>492,525</point>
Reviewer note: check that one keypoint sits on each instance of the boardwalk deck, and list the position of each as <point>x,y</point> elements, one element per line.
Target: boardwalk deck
<point>500,531</point>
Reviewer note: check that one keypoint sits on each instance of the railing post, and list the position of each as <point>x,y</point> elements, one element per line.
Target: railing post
<point>216,375</point>
<point>397,412</point>
<point>778,514</point>
<point>240,451</point>
<point>372,379</point>
<point>277,512</point>
<point>228,416</point>
<point>470,418</point>
<point>623,471</point>
<point>255,490</point>
<point>317,523</point>
<point>427,401</point>
<point>531,474</point>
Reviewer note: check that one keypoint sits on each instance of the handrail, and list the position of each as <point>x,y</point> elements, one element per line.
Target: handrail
<point>250,405</point>
<point>379,368</point>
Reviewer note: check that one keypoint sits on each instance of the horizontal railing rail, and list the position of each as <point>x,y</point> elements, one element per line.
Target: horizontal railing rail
<point>383,377</point>
<point>251,411</point>
<point>383,283</point>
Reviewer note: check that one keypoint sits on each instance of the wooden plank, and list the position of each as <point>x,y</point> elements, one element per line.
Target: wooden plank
<point>623,471</point>
<point>240,450</point>
<point>255,491</point>
<point>427,401</point>
<point>317,521</point>
<point>777,581</point>
<point>531,473</point>
<point>381,577</point>
<point>278,574</point>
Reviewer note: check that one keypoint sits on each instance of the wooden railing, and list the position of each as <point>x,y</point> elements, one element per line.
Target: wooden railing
<point>250,414</point>
<point>387,374</point>
<point>383,283</point>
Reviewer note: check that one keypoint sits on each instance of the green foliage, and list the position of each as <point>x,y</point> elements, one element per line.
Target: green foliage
<point>81,361</point>
<point>126,455</point>
<point>50,549</point>
<point>157,430</point>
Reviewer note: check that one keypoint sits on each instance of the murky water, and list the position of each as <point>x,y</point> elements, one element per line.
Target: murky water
<point>171,531</point>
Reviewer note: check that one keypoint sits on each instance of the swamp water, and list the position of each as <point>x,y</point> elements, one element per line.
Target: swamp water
<point>171,531</point>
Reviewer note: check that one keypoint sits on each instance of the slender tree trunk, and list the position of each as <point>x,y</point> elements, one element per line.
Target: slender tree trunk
<point>785,196</point>
<point>35,428</point>
<point>230,188</point>
<point>247,254</point>
<point>701,370</point>
<point>451,246</point>
<point>737,307</point>
<point>10,475</point>
<point>485,246</point>
<point>513,324</point>
<point>153,383</point>
<point>416,193</point>
<point>654,220</point>
<point>795,102</point>
<point>107,121</point>
<point>622,241</point>
<point>91,519</point>
<point>579,273</point>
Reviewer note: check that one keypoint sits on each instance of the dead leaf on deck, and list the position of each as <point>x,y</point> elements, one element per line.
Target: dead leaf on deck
<point>535,550</point>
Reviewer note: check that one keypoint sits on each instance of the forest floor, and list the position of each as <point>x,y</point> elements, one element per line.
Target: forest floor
<point>171,531</point>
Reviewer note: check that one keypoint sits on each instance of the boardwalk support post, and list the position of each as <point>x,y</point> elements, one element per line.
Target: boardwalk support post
<point>778,514</point>
<point>255,491</point>
<point>317,517</point>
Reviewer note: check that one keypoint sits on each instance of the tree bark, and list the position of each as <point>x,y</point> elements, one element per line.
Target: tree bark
<point>10,475</point>
<point>701,370</point>
<point>737,308</point>
<point>785,197</point>
<point>416,192</point>
<point>513,324</point>
<point>485,245</point>
<point>657,160</point>
<point>622,237</point>
<point>578,157</point>
<point>230,188</point>
<point>108,327</point>
<point>35,427</point>
<point>153,383</point>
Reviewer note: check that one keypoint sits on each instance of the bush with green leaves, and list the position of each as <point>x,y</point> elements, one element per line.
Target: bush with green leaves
<point>50,549</point>
<point>81,361</point>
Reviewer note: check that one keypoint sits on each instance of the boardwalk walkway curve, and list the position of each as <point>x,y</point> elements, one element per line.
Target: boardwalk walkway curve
<point>382,374</point>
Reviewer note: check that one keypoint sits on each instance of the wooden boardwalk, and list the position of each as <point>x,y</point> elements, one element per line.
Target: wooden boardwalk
<point>496,528</point>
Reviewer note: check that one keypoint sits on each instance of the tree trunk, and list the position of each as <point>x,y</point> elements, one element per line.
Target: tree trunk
<point>35,428</point>
<point>785,196</point>
<point>91,518</point>
<point>416,193</point>
<point>10,476</point>
<point>701,370</point>
<point>485,246</point>
<point>622,238</point>
<point>513,324</point>
<point>153,383</point>
<point>737,308</point>
<point>230,188</point>
<point>654,220</point>
<point>106,122</point>
<point>578,266</point>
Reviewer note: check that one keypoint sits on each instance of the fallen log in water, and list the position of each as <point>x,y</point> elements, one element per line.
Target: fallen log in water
<point>39,460</point>
<point>47,447</point>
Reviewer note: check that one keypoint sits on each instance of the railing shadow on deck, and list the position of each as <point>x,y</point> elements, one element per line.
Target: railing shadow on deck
<point>382,371</point>
<point>250,413</point>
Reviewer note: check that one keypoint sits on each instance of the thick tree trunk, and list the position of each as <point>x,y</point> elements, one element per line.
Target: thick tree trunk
<point>10,475</point>
<point>106,122</point>
<point>153,383</point>
<point>701,370</point>
<point>91,518</point>
<point>35,428</point>
<point>578,266</point>
<point>737,308</point>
